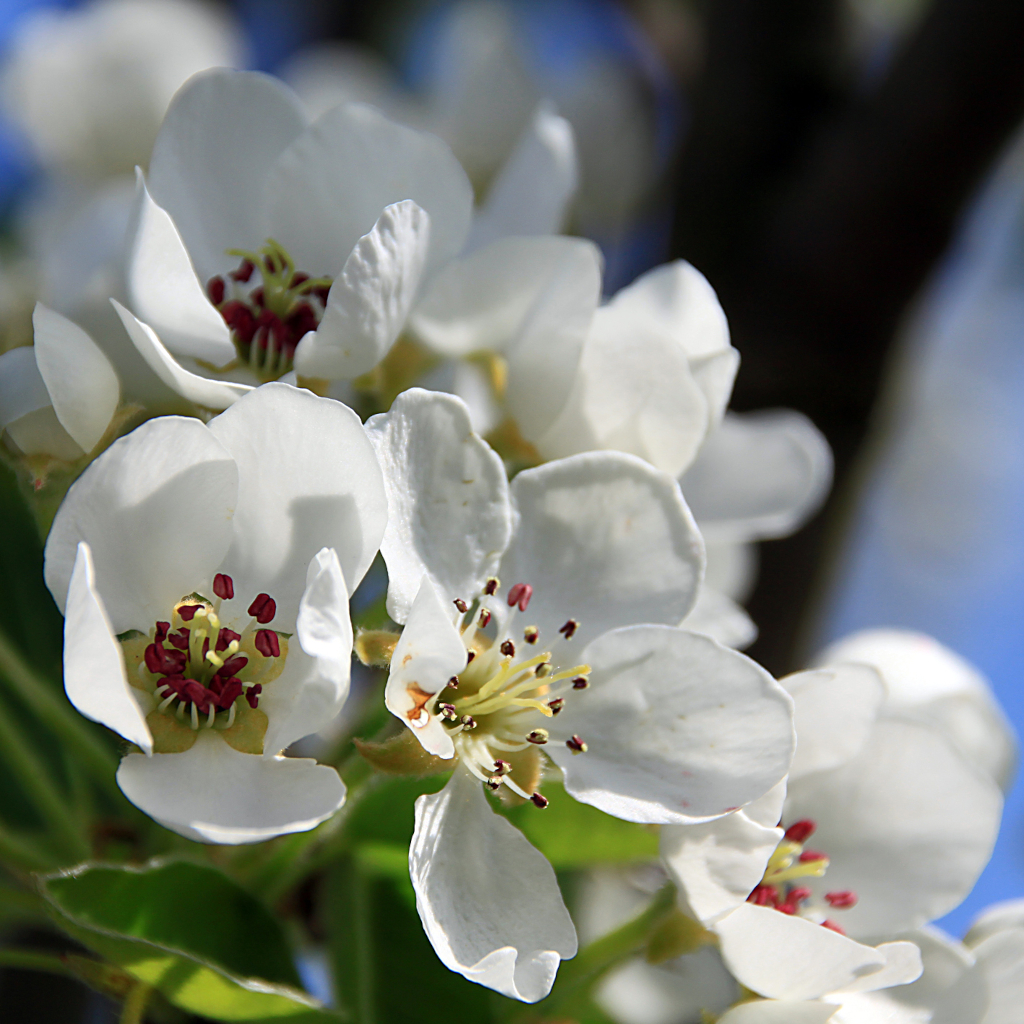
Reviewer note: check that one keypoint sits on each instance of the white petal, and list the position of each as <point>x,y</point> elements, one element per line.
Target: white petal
<point>220,135</point>
<point>835,710</point>
<point>213,794</point>
<point>995,918</point>
<point>773,1011</point>
<point>328,188</point>
<point>758,475</point>
<point>786,957</point>
<point>308,479</point>
<point>22,390</point>
<point>155,509</point>
<point>677,726</point>
<point>1001,962</point>
<point>203,391</point>
<point>605,539</point>
<point>929,681</point>
<point>720,618</point>
<point>902,966</point>
<point>429,652</point>
<point>311,690</point>
<point>449,515</point>
<point>767,810</point>
<point>716,864</point>
<point>82,384</point>
<point>677,298</point>
<point>533,190</point>
<point>715,375</point>
<point>370,300</point>
<point>544,356</point>
<point>634,392</point>
<point>94,672</point>
<point>908,825</point>
<point>489,901</point>
<point>164,291</point>
<point>481,301</point>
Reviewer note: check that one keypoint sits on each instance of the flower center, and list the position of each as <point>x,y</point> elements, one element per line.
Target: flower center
<point>268,319</point>
<point>502,707</point>
<point>790,862</point>
<point>203,674</point>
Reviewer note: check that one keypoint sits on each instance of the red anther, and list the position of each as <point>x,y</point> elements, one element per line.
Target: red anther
<point>215,290</point>
<point>180,639</point>
<point>188,611</point>
<point>787,908</point>
<point>493,783</point>
<point>256,297</point>
<point>801,831</point>
<point>461,605</point>
<point>301,321</point>
<point>238,316</point>
<point>575,744</point>
<point>298,278</point>
<point>271,264</point>
<point>508,648</point>
<point>491,586</point>
<point>252,695</point>
<point>556,705</point>
<point>470,655</point>
<point>225,638</point>
<point>520,596</point>
<point>537,736</point>
<point>798,894</point>
<point>230,692</point>
<point>267,643</point>
<point>232,667</point>
<point>502,767</point>
<point>539,800</point>
<point>841,900</point>
<point>197,694</point>
<point>580,683</point>
<point>531,634</point>
<point>321,293</point>
<point>569,629</point>
<point>484,618</point>
<point>223,586</point>
<point>454,682</point>
<point>764,895</point>
<point>161,661</point>
<point>162,629</point>
<point>809,855</point>
<point>244,272</point>
<point>832,926</point>
<point>263,608</point>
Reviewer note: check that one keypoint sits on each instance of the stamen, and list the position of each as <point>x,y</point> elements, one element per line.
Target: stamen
<point>538,736</point>
<point>491,586</point>
<point>502,767</point>
<point>263,608</point>
<point>188,611</point>
<point>453,683</point>
<point>531,634</point>
<point>556,705</point>
<point>267,643</point>
<point>569,629</point>
<point>508,649</point>
<point>447,712</point>
<point>580,683</point>
<point>576,744</point>
<point>801,831</point>
<point>832,926</point>
<point>223,586</point>
<point>539,800</point>
<point>469,721</point>
<point>461,605</point>
<point>841,900</point>
<point>520,595</point>
<point>484,619</point>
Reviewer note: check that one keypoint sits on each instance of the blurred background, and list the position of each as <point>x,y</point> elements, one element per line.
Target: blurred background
<point>848,174</point>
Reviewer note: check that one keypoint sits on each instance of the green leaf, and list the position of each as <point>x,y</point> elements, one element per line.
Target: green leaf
<point>575,835</point>
<point>189,931</point>
<point>385,815</point>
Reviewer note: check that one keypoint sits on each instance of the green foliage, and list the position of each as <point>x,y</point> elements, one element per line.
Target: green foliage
<point>189,931</point>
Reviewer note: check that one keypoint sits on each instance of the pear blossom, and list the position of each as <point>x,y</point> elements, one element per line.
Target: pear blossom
<point>575,664</point>
<point>204,573</point>
<point>89,86</point>
<point>58,396</point>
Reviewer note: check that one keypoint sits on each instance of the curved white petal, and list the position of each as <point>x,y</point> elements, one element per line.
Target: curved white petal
<point>308,479</point>
<point>926,680</point>
<point>719,617</point>
<point>533,190</point>
<point>758,475</point>
<point>786,957</point>
<point>835,709</point>
<point>715,375</point>
<point>94,672</point>
<point>81,382</point>
<point>543,358</point>
<point>1000,959</point>
<point>203,391</point>
<point>327,189</point>
<point>221,134</point>
<point>488,900</point>
<point>716,864</point>
<point>481,300</point>
<point>449,515</point>
<point>370,300</point>
<point>428,653</point>
<point>902,966</point>
<point>677,727</point>
<point>22,390</point>
<point>634,392</point>
<point>677,298</point>
<point>995,918</point>
<point>311,690</point>
<point>774,1011</point>
<point>155,509</point>
<point>605,539</point>
<point>908,824</point>
<point>164,291</point>
<point>213,794</point>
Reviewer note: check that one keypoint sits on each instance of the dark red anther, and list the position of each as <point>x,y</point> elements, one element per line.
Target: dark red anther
<point>470,655</point>
<point>454,682</point>
<point>223,586</point>
<point>580,683</point>
<point>232,667</point>
<point>215,290</point>
<point>256,297</point>
<point>263,608</point>
<point>556,705</point>
<point>787,908</point>
<point>569,629</point>
<point>161,661</point>
<point>238,316</point>
<point>484,618</point>
<point>461,605</point>
<point>298,278</point>
<point>244,272</point>
<point>809,855</point>
<point>520,595</point>
<point>197,694</point>
<point>508,648</point>
<point>491,586</point>
<point>539,800</point>
<point>301,321</point>
<point>188,611</point>
<point>575,744</point>
<point>832,926</point>
<point>842,900</point>
<point>267,643</point>
<point>229,693</point>
<point>764,895</point>
<point>321,293</point>
<point>252,695</point>
<point>225,638</point>
<point>162,628</point>
<point>179,639</point>
<point>798,894</point>
<point>801,831</point>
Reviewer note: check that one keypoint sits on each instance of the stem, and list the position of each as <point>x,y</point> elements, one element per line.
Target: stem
<point>27,960</point>
<point>38,783</point>
<point>134,1008</point>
